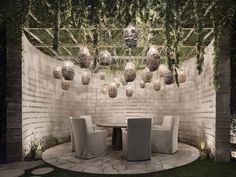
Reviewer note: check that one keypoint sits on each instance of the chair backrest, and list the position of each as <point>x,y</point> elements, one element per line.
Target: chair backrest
<point>80,133</point>
<point>175,127</point>
<point>88,120</point>
<point>167,120</point>
<point>139,137</point>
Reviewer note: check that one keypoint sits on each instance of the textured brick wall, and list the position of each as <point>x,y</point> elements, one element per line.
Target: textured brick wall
<point>45,107</point>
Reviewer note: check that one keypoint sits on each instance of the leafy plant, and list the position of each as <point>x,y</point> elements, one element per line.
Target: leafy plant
<point>205,151</point>
<point>48,142</point>
<point>36,150</point>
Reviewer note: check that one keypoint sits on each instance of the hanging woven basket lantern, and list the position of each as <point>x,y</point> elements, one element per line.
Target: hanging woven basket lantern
<point>112,90</point>
<point>57,72</point>
<point>84,57</point>
<point>168,77</point>
<point>105,58</point>
<point>67,70</point>
<point>102,76</point>
<point>156,85</point>
<point>142,84</point>
<point>123,81</point>
<point>146,75</point>
<point>182,76</point>
<point>117,81</point>
<point>104,89</point>
<point>130,36</point>
<point>162,69</point>
<point>130,72</point>
<point>85,78</point>
<point>153,59</point>
<point>129,92</point>
<point>65,84</point>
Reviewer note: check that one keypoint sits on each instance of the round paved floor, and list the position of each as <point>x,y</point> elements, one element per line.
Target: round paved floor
<point>113,163</point>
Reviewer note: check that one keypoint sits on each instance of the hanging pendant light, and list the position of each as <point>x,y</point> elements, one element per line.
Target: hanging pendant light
<point>182,76</point>
<point>146,75</point>
<point>153,59</point>
<point>168,77</point>
<point>123,81</point>
<point>117,81</point>
<point>130,35</point>
<point>68,70</point>
<point>85,78</point>
<point>84,57</point>
<point>162,69</point>
<point>104,89</point>
<point>156,85</point>
<point>130,72</point>
<point>142,84</point>
<point>102,76</point>
<point>112,90</point>
<point>57,72</point>
<point>105,58</point>
<point>65,84</point>
<point>129,91</point>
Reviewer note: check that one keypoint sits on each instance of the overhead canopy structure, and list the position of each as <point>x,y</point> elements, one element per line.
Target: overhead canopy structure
<point>71,39</point>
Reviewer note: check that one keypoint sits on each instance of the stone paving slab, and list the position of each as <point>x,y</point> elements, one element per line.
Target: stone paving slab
<point>113,162</point>
<point>11,172</point>
<point>42,171</point>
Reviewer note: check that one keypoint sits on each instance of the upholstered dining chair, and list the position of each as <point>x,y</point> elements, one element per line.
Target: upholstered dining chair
<point>165,138</point>
<point>88,144</point>
<point>71,135</point>
<point>136,140</point>
<point>89,122</point>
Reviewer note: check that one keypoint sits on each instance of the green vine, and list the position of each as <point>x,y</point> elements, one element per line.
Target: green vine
<point>199,14</point>
<point>216,34</point>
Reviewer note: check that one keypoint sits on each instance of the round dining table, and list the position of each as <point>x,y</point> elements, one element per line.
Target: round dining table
<point>116,133</point>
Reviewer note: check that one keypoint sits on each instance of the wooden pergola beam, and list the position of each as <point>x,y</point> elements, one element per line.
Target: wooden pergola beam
<point>104,46</point>
<point>40,41</point>
<point>72,36</point>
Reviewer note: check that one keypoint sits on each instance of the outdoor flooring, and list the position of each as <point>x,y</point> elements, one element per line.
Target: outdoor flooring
<point>113,162</point>
<point>17,169</point>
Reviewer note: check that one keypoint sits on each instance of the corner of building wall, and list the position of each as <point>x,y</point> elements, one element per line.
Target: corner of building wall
<point>223,111</point>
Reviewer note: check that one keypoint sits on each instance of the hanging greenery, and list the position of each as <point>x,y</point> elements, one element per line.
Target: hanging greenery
<point>199,14</point>
<point>94,15</point>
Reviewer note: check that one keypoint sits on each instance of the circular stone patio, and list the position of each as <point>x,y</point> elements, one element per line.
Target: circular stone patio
<point>113,163</point>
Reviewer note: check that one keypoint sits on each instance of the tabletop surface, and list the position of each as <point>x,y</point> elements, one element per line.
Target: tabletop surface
<point>113,124</point>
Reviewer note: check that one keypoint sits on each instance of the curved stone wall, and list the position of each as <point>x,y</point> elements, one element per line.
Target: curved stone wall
<point>46,106</point>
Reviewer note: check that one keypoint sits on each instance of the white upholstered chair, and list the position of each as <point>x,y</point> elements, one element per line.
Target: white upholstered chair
<point>89,123</point>
<point>88,144</point>
<point>136,140</point>
<point>71,135</point>
<point>165,138</point>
